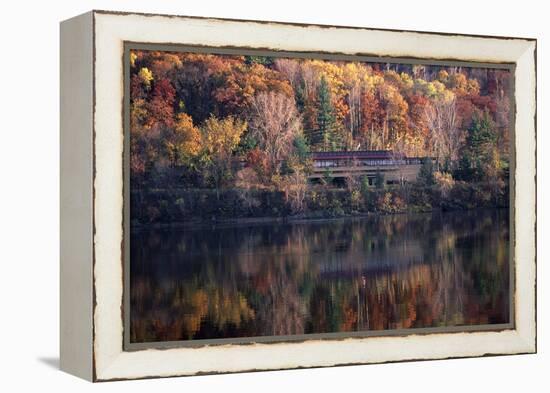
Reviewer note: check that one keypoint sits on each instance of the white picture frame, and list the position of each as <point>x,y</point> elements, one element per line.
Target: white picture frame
<point>92,193</point>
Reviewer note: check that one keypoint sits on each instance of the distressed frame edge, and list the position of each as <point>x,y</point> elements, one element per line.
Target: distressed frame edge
<point>528,334</point>
<point>528,340</point>
<point>305,24</point>
<point>76,196</point>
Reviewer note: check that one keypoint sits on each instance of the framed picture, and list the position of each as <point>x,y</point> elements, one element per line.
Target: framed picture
<point>245,195</point>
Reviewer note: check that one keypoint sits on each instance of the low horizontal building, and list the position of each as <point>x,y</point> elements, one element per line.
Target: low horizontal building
<point>370,163</point>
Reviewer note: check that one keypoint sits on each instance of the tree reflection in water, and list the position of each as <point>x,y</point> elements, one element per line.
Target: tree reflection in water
<point>375,273</point>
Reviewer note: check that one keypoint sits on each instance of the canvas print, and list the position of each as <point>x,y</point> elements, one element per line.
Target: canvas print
<point>281,197</point>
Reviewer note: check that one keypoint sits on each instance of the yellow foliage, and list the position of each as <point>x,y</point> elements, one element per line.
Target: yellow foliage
<point>462,85</point>
<point>396,106</point>
<point>173,59</point>
<point>146,76</point>
<point>188,135</point>
<point>473,87</point>
<point>334,75</point>
<point>407,82</point>
<point>439,88</point>
<point>221,136</point>
<point>133,58</point>
<point>138,112</point>
<point>184,141</point>
<point>393,78</point>
<point>354,74</point>
<point>445,182</point>
<point>447,95</point>
<point>443,76</point>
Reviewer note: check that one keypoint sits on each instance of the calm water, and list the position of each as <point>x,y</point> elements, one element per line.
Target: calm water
<point>375,273</point>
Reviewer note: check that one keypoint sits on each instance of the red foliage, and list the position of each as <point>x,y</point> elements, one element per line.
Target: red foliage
<point>373,113</point>
<point>257,160</point>
<point>465,108</point>
<point>485,103</point>
<point>417,107</point>
<point>136,88</point>
<point>161,105</point>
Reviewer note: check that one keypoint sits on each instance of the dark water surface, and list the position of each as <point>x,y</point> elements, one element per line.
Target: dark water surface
<point>363,274</point>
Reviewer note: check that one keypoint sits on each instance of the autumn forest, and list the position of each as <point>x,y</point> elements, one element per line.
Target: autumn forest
<point>224,137</point>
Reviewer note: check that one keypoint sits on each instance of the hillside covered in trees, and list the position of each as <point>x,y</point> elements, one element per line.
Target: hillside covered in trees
<point>231,136</point>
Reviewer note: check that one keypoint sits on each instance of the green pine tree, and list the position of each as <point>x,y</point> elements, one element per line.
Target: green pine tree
<point>379,181</point>
<point>481,133</point>
<point>326,120</point>
<point>480,145</point>
<point>426,173</point>
<point>301,148</point>
<point>263,60</point>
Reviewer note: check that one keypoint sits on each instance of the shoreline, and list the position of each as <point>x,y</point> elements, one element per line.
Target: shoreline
<point>297,219</point>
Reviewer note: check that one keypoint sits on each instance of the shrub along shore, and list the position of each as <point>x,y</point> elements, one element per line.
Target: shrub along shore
<point>191,207</point>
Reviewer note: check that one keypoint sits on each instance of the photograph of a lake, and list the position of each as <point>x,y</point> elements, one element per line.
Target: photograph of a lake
<point>273,198</point>
<point>374,273</point>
